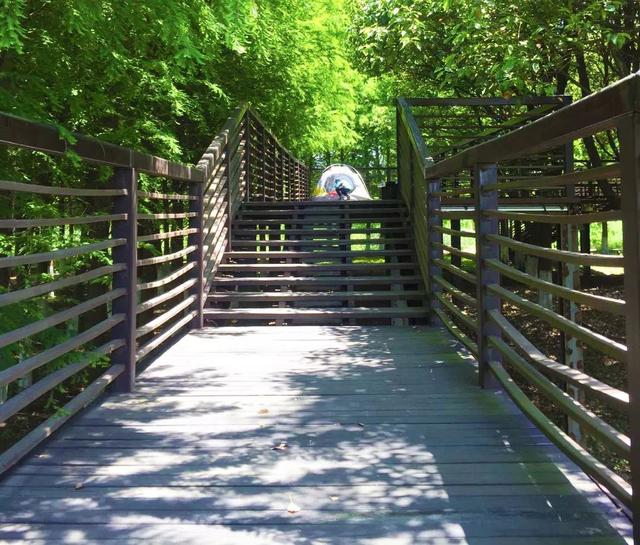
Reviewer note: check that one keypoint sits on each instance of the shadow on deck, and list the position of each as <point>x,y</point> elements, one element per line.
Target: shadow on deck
<point>323,435</point>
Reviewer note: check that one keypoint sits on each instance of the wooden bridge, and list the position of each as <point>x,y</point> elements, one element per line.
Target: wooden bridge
<point>399,402</point>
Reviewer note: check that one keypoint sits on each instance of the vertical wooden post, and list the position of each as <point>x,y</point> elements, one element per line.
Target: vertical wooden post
<point>126,178</point>
<point>485,174</point>
<point>629,133</point>
<point>249,158</point>
<point>572,349</point>
<point>456,240</point>
<point>263,169</point>
<point>197,239</point>
<point>229,188</point>
<point>433,238</point>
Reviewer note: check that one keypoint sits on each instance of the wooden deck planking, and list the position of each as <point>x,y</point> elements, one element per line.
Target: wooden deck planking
<point>389,441</point>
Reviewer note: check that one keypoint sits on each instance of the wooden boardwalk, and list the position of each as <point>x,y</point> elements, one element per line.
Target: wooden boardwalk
<point>301,435</point>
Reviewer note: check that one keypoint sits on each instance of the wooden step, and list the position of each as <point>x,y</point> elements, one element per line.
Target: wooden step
<point>312,255</point>
<point>315,280</point>
<point>312,313</point>
<point>321,204</point>
<point>275,296</point>
<point>317,232</point>
<point>244,212</point>
<point>310,268</point>
<point>320,221</point>
<point>240,243</point>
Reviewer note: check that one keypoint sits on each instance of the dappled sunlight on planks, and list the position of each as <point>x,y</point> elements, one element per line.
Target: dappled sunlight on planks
<point>376,435</point>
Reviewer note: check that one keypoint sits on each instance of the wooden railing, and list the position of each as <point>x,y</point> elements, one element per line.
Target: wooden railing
<point>471,287</point>
<point>105,254</point>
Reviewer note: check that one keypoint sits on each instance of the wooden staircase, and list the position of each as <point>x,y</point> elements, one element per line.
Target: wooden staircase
<point>304,262</point>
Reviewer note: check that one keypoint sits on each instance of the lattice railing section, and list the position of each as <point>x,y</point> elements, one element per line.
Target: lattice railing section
<point>104,253</point>
<point>500,244</point>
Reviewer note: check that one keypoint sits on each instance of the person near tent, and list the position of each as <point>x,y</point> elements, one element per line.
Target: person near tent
<point>342,189</point>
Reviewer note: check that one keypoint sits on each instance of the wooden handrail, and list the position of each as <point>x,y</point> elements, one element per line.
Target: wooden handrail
<point>165,234</point>
<point>584,117</point>
<point>16,131</point>
<point>472,309</point>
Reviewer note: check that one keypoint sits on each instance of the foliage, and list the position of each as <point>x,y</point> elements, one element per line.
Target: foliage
<point>161,75</point>
<point>482,47</point>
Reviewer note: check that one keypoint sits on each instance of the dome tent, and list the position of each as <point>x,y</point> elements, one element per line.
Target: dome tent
<point>326,187</point>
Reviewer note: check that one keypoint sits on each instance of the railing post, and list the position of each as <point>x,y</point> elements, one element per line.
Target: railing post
<point>263,169</point>
<point>228,186</point>
<point>248,151</point>
<point>629,134</point>
<point>433,239</point>
<point>127,279</point>
<point>483,175</point>
<point>197,257</point>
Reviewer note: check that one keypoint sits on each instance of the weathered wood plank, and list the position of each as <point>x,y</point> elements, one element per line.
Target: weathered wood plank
<point>382,436</point>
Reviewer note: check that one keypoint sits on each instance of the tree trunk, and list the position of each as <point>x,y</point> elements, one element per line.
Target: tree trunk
<point>589,142</point>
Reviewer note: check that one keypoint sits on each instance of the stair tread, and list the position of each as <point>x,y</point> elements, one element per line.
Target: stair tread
<point>311,266</point>
<point>303,254</point>
<point>324,280</point>
<point>321,221</point>
<point>321,211</point>
<point>311,295</point>
<point>303,204</point>
<point>320,243</point>
<point>319,232</point>
<point>293,312</point>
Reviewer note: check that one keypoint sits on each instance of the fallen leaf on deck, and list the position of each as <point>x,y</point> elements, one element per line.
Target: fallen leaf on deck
<point>292,507</point>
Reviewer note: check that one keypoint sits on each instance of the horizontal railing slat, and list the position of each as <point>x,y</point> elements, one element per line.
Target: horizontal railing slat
<point>46,384</point>
<point>545,182</point>
<point>613,397</point>
<point>61,191</point>
<point>561,219</point>
<point>154,324</point>
<point>56,222</point>
<point>154,343</point>
<point>41,289</point>
<point>455,251</point>
<point>158,299</point>
<point>167,234</point>
<point>167,216</point>
<point>63,253</point>
<point>167,257</point>
<point>167,279</point>
<point>455,232</point>
<point>457,332</point>
<point>595,426</point>
<point>595,260</point>
<point>58,318</point>
<point>606,304</point>
<point>467,320</point>
<point>165,196</point>
<point>455,292</point>
<point>44,430</point>
<point>34,362</point>
<point>590,465</point>
<point>599,342</point>
<point>456,270</point>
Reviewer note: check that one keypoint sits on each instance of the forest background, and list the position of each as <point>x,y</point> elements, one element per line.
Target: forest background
<point>161,75</point>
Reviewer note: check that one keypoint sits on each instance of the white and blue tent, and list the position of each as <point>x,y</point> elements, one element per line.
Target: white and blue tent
<point>326,187</point>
